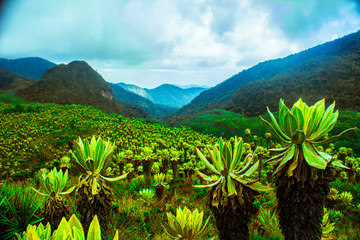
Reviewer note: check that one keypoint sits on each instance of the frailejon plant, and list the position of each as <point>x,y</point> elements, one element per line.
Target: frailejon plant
<point>175,158</point>
<point>160,184</point>
<point>302,172</point>
<point>147,196</point>
<point>93,195</point>
<point>233,189</point>
<point>187,224</point>
<point>53,185</point>
<point>69,230</point>
<point>146,159</point>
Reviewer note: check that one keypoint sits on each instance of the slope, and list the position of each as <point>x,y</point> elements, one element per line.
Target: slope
<point>31,67</point>
<point>77,83</point>
<point>11,82</point>
<point>321,59</point>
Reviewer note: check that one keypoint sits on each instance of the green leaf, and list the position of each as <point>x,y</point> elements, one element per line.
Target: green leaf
<point>206,162</point>
<point>335,138</point>
<point>272,130</point>
<point>74,222</point>
<point>115,178</point>
<point>290,124</point>
<point>94,230</point>
<point>230,186</point>
<point>299,117</point>
<point>311,157</point>
<point>276,126</point>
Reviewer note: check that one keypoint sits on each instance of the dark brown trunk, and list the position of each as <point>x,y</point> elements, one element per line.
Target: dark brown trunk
<point>301,204</point>
<point>233,223</point>
<point>89,205</point>
<point>54,211</point>
<point>147,172</point>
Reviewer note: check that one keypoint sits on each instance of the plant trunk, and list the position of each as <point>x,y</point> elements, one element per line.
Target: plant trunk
<point>55,210</point>
<point>147,172</point>
<point>300,204</point>
<point>159,191</point>
<point>121,167</point>
<point>89,205</point>
<point>174,167</point>
<point>233,223</point>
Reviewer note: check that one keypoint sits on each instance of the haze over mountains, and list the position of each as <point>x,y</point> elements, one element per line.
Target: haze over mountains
<point>330,70</point>
<point>166,94</point>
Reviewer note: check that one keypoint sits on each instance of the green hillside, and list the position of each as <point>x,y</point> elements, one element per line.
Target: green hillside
<point>330,70</point>
<point>159,166</point>
<point>222,123</point>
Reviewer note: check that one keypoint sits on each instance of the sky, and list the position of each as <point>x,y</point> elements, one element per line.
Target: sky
<point>183,42</point>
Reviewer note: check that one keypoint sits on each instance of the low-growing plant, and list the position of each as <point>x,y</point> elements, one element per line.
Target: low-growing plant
<point>186,224</point>
<point>69,230</point>
<point>147,196</point>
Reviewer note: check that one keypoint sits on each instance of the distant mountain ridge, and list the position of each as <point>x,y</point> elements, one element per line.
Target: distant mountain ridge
<point>166,94</point>
<point>78,83</point>
<point>312,74</point>
<point>155,110</point>
<point>30,67</point>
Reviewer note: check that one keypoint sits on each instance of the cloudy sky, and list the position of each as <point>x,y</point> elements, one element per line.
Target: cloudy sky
<point>151,42</point>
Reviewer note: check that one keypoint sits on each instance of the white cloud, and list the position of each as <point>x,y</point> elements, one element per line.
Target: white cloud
<point>165,41</point>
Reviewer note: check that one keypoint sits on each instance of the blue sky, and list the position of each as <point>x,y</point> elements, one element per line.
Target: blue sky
<point>151,42</point>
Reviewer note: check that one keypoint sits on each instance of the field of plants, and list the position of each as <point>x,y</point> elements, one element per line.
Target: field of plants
<point>138,179</point>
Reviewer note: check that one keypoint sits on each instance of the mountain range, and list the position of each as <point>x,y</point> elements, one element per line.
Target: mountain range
<point>330,70</point>
<point>18,74</point>
<point>155,110</point>
<point>31,67</point>
<point>166,94</point>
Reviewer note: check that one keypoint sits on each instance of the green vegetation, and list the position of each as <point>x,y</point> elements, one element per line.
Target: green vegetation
<point>91,147</point>
<point>222,123</point>
<point>53,184</point>
<point>302,172</point>
<point>232,190</point>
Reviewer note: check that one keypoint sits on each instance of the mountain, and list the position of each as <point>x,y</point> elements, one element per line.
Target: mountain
<point>330,70</point>
<point>31,67</point>
<point>11,82</point>
<point>191,86</point>
<point>135,89</point>
<point>166,94</point>
<point>174,96</point>
<point>155,110</point>
<point>78,83</point>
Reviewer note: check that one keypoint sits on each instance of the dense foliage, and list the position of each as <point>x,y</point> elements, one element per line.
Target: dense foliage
<point>36,137</point>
